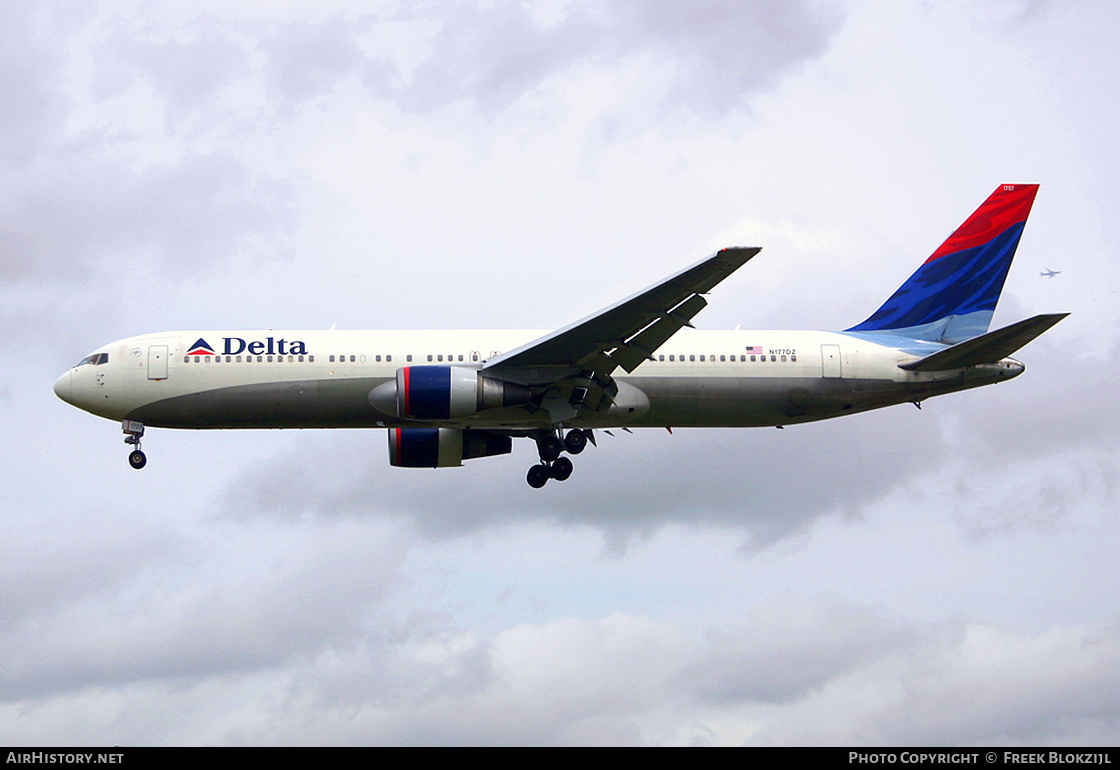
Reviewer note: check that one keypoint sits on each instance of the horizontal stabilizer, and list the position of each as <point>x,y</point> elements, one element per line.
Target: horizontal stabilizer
<point>988,348</point>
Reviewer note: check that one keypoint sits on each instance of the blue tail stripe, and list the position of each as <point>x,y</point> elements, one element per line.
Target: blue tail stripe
<point>969,281</point>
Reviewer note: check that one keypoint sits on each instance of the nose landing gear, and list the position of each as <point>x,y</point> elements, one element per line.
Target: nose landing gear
<point>133,431</point>
<point>552,465</point>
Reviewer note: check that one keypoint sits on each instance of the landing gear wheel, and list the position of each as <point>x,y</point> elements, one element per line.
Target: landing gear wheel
<point>549,447</point>
<point>538,475</point>
<point>575,441</point>
<point>137,459</point>
<point>561,469</point>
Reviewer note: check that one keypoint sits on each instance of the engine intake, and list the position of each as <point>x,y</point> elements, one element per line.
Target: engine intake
<point>443,447</point>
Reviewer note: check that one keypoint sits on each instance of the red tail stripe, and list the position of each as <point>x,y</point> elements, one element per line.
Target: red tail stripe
<point>1009,205</point>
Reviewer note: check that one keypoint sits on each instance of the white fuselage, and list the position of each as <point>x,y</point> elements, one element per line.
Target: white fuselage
<point>323,379</point>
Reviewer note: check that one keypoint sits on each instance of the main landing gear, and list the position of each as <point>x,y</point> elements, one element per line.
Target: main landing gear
<point>552,465</point>
<point>133,431</point>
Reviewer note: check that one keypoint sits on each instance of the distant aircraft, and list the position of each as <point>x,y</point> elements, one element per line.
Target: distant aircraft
<point>450,396</point>
<point>1048,273</point>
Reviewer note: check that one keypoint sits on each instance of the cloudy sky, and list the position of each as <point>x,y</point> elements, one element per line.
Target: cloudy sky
<point>944,576</point>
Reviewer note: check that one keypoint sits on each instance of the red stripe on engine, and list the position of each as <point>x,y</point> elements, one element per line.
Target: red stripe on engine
<point>407,395</point>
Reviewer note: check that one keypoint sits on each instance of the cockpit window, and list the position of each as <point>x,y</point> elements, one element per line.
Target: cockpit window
<point>96,359</point>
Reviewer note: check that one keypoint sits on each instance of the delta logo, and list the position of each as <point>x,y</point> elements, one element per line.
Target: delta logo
<point>201,348</point>
<point>233,346</point>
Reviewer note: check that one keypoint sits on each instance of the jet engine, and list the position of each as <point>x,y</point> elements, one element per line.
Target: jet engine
<point>444,392</point>
<point>443,447</point>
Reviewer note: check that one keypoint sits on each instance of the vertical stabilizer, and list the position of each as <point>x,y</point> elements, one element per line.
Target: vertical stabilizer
<point>953,295</point>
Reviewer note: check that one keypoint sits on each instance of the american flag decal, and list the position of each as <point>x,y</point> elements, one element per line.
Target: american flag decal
<point>754,349</point>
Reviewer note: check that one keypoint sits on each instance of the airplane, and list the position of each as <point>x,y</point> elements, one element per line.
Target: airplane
<point>1048,273</point>
<point>449,396</point>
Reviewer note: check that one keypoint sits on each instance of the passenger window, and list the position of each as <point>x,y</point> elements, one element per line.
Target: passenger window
<point>332,359</point>
<point>352,359</point>
<point>388,358</point>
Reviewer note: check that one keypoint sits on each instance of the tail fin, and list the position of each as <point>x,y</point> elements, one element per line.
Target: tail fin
<point>953,295</point>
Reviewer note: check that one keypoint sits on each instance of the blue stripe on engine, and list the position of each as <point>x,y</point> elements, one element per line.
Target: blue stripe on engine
<point>418,448</point>
<point>429,392</point>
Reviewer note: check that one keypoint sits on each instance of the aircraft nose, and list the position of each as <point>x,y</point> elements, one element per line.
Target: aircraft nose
<point>64,387</point>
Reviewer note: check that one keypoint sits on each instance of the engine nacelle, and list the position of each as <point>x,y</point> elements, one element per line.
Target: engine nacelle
<point>444,392</point>
<point>443,447</point>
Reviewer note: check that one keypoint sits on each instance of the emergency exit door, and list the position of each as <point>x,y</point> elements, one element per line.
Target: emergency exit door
<point>157,362</point>
<point>830,361</point>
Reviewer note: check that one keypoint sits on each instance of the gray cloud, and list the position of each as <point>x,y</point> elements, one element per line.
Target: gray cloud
<point>713,55</point>
<point>234,622</point>
<point>791,648</point>
<point>306,60</point>
<point>186,73</point>
<point>77,198</point>
<point>718,53</point>
<point>200,210</point>
<point>32,64</point>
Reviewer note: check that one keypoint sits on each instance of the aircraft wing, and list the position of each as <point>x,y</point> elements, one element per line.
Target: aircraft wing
<point>624,334</point>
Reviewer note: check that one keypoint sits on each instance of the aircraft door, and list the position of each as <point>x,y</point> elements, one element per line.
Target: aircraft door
<point>830,361</point>
<point>157,362</point>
